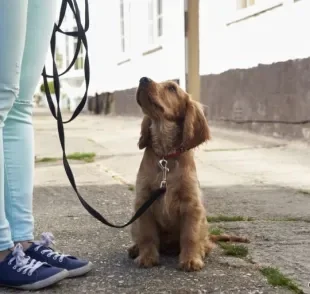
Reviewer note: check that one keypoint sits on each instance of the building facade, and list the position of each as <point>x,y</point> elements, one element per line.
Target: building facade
<point>254,57</point>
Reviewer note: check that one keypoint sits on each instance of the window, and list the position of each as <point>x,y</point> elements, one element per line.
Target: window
<point>123,41</point>
<point>155,20</point>
<point>244,3</point>
<point>79,63</point>
<point>59,59</point>
<point>67,51</point>
<point>159,18</point>
<point>125,25</point>
<point>246,9</point>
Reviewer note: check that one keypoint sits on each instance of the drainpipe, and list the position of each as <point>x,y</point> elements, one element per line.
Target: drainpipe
<point>191,15</point>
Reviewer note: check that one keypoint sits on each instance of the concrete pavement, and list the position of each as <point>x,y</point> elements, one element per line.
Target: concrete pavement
<point>241,174</point>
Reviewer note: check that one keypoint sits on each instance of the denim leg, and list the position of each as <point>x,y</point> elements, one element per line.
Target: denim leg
<point>18,134</point>
<point>13,17</point>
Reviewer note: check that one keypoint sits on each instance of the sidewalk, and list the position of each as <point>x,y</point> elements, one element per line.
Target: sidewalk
<point>241,175</point>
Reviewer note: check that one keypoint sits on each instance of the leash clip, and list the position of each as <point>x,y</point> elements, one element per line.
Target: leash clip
<point>163,165</point>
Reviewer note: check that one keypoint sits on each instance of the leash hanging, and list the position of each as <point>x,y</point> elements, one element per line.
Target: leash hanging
<point>80,34</point>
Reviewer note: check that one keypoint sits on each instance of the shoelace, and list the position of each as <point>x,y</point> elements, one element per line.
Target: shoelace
<point>22,262</point>
<point>47,239</point>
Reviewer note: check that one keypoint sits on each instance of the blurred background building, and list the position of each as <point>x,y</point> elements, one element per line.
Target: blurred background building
<point>253,58</point>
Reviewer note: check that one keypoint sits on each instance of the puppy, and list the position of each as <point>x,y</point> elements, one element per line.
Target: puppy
<point>173,125</point>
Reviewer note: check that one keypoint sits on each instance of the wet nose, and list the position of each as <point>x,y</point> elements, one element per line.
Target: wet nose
<point>144,80</point>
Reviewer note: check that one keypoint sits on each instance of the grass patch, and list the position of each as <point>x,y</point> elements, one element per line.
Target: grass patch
<point>215,231</point>
<point>234,250</point>
<point>131,187</point>
<point>47,159</point>
<point>225,218</point>
<point>276,278</point>
<point>304,192</point>
<point>87,157</point>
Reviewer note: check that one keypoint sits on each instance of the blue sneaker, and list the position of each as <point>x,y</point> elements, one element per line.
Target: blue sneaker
<point>43,252</point>
<point>20,271</point>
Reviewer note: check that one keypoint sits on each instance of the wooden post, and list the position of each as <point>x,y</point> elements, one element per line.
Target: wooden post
<point>192,47</point>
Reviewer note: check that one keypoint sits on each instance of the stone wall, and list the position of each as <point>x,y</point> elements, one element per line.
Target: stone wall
<point>274,92</point>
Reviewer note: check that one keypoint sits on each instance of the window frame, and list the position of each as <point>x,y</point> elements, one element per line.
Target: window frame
<point>124,30</point>
<point>60,60</point>
<point>80,60</point>
<point>155,25</point>
<point>243,4</point>
<point>243,12</point>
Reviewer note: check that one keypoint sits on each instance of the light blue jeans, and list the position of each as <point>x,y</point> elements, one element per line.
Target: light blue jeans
<point>25,32</point>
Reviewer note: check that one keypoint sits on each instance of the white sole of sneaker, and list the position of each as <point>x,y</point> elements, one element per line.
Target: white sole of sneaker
<point>81,271</point>
<point>44,283</point>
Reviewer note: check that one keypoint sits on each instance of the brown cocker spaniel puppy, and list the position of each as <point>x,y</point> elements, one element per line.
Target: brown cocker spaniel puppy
<point>173,125</point>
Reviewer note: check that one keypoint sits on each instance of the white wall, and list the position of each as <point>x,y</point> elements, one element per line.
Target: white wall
<point>276,35</point>
<point>165,63</point>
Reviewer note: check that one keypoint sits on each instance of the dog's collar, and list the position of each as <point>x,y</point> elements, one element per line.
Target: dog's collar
<point>175,153</point>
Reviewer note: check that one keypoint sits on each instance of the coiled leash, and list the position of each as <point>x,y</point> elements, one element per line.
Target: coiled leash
<point>80,34</point>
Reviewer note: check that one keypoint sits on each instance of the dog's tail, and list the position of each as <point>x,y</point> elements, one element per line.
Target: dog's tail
<point>228,238</point>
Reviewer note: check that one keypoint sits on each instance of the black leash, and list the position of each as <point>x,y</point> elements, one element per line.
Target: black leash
<point>80,34</point>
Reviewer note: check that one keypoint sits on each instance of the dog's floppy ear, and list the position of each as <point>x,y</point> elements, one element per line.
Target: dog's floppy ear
<point>195,129</point>
<point>145,134</point>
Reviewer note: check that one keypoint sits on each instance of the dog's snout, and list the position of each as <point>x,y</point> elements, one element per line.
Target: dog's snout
<point>144,80</point>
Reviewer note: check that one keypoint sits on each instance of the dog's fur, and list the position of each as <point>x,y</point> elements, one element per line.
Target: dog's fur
<point>175,224</point>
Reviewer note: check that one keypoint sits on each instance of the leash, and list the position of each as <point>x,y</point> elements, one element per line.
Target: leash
<point>80,34</point>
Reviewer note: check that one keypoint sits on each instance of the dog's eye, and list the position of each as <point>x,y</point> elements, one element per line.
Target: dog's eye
<point>172,88</point>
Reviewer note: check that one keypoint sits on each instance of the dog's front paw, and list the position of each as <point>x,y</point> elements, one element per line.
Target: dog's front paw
<point>147,261</point>
<point>193,264</point>
<point>133,251</point>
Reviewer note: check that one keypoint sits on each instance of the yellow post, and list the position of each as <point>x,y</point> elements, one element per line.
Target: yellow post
<point>192,47</point>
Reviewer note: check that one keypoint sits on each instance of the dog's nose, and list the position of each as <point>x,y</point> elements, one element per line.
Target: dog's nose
<point>144,80</point>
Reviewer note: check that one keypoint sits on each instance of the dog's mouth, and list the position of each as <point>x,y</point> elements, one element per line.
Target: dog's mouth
<point>138,97</point>
<point>148,102</point>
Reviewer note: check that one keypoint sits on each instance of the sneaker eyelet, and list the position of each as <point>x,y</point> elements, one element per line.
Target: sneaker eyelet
<point>29,274</point>
<point>15,267</point>
<point>19,270</point>
<point>49,255</point>
<point>55,257</point>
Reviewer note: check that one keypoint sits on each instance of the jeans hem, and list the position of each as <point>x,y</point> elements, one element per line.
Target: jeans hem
<point>6,246</point>
<point>23,238</point>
